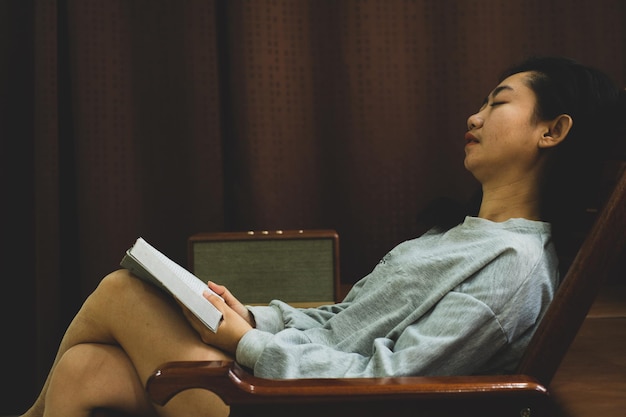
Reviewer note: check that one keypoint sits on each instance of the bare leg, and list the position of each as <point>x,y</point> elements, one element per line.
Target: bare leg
<point>90,376</point>
<point>148,326</point>
<point>94,376</point>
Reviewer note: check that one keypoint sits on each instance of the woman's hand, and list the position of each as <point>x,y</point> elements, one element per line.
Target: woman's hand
<point>230,331</point>
<point>232,302</point>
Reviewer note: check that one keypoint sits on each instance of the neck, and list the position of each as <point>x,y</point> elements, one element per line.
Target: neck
<point>516,200</point>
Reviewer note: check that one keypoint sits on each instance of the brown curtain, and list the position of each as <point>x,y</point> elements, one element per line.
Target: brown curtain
<point>123,118</point>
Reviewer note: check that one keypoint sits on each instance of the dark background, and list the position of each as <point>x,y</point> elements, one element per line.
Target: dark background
<point>121,118</point>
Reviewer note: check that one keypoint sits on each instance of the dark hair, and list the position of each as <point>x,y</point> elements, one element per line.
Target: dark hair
<point>597,108</point>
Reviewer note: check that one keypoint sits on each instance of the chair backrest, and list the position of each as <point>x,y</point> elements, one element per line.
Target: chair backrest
<point>595,260</point>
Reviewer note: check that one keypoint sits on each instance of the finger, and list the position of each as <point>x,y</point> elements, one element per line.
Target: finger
<point>220,290</point>
<point>216,300</point>
<point>223,292</point>
<point>216,288</point>
<point>232,302</point>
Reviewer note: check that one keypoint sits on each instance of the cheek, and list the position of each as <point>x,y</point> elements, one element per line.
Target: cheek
<point>512,136</point>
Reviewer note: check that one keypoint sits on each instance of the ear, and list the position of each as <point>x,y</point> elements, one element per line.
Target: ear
<point>556,131</point>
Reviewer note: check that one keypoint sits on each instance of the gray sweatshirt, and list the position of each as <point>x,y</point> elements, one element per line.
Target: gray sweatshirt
<point>460,302</point>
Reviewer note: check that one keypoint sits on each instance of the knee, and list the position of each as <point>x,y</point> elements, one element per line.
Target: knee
<point>121,277</point>
<point>117,288</point>
<point>89,376</point>
<point>78,364</point>
<point>118,282</point>
<point>121,288</point>
<point>70,378</point>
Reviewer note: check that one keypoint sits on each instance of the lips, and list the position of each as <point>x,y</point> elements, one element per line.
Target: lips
<point>470,139</point>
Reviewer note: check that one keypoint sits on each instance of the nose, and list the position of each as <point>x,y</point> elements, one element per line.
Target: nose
<point>474,121</point>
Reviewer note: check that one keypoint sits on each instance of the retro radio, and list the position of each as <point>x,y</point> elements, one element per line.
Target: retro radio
<point>300,267</point>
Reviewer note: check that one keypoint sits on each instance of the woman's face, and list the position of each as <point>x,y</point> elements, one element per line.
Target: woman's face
<point>502,139</point>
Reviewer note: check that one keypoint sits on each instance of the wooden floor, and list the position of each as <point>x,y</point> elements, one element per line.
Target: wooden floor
<point>591,381</point>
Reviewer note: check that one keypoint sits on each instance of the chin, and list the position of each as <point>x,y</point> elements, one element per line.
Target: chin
<point>471,170</point>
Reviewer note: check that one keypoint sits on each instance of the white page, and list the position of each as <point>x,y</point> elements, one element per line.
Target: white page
<point>185,286</point>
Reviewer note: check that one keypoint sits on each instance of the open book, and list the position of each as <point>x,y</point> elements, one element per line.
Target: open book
<point>147,263</point>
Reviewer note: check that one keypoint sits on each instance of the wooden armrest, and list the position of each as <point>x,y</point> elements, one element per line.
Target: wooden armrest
<point>237,386</point>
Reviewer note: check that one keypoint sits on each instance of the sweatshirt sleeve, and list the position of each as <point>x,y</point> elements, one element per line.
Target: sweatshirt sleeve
<point>456,337</point>
<point>279,315</point>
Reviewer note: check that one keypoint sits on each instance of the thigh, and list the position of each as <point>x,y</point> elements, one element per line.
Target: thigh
<point>147,324</point>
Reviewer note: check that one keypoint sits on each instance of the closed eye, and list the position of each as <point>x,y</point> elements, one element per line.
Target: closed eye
<point>497,103</point>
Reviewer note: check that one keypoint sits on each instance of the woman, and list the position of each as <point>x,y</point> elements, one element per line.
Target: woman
<point>464,298</point>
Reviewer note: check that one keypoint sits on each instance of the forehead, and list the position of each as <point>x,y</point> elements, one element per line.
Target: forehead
<point>515,86</point>
<point>517,83</point>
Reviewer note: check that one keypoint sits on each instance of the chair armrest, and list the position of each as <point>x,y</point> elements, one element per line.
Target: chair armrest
<point>237,386</point>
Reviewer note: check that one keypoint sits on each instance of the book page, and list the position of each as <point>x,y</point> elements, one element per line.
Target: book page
<point>185,286</point>
<point>187,277</point>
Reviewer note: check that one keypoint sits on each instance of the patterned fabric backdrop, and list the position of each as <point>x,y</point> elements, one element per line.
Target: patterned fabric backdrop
<point>163,119</point>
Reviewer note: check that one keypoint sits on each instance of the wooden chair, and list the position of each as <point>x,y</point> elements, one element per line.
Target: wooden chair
<point>524,393</point>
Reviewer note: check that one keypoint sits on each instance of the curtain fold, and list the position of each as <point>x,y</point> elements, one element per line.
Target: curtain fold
<point>163,119</point>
